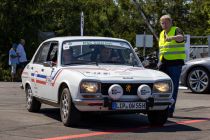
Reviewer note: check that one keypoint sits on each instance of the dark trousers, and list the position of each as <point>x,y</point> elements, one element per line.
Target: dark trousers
<point>174,72</point>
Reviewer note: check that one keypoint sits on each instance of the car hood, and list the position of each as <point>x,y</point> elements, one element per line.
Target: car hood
<point>199,60</point>
<point>120,72</point>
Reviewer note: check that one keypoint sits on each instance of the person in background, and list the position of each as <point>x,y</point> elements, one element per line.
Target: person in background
<point>21,56</point>
<point>171,54</point>
<point>13,61</point>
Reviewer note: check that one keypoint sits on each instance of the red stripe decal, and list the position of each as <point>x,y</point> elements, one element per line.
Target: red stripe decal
<point>41,82</point>
<point>121,131</point>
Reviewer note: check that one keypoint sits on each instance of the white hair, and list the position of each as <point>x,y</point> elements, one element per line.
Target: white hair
<point>168,17</point>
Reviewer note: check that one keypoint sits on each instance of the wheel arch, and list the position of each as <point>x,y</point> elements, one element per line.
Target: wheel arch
<point>61,87</point>
<point>26,85</point>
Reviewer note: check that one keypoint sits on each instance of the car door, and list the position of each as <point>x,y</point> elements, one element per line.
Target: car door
<point>43,68</point>
<point>38,78</point>
<point>48,90</point>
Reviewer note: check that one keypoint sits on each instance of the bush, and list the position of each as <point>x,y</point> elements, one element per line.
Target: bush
<point>5,75</point>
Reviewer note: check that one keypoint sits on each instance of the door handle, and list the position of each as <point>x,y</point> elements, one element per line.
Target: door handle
<point>32,68</point>
<point>42,70</point>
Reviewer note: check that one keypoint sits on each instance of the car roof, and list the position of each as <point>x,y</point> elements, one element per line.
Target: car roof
<point>82,38</point>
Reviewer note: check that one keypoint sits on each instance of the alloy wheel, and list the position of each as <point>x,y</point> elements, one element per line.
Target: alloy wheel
<point>198,80</point>
<point>29,97</point>
<point>65,106</point>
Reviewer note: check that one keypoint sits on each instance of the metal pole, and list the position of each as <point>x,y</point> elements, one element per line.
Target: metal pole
<point>145,19</point>
<point>144,43</point>
<point>81,23</point>
<point>81,28</point>
<point>187,47</point>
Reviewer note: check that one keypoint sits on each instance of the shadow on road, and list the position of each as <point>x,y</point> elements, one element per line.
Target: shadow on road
<point>134,123</point>
<point>53,113</point>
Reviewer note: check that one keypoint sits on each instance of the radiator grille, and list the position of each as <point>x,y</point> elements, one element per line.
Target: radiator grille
<point>133,89</point>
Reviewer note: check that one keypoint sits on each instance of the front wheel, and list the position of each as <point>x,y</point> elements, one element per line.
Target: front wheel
<point>158,117</point>
<point>32,104</point>
<point>70,116</point>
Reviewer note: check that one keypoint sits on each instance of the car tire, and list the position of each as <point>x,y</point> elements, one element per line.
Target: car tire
<point>70,116</point>
<point>198,80</point>
<point>158,117</point>
<point>32,104</point>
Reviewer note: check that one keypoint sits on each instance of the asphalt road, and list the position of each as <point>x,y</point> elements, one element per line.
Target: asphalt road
<point>191,121</point>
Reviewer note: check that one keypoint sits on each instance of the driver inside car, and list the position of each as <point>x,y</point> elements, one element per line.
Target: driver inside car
<point>67,57</point>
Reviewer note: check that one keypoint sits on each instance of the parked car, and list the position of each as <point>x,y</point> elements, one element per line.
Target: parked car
<point>196,75</point>
<point>94,74</point>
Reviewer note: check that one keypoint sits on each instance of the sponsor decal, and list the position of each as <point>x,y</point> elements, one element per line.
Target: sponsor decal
<point>115,91</point>
<point>67,45</point>
<point>96,43</point>
<point>46,80</point>
<point>144,92</point>
<point>35,80</point>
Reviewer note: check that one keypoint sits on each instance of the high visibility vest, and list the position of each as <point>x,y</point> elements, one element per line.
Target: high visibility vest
<point>171,50</point>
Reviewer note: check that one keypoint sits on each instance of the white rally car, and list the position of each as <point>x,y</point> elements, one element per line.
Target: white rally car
<point>94,74</point>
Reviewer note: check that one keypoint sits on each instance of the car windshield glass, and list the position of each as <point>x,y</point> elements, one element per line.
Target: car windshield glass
<point>98,52</point>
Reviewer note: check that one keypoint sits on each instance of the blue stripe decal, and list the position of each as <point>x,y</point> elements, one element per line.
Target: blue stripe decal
<point>39,75</point>
<point>44,76</point>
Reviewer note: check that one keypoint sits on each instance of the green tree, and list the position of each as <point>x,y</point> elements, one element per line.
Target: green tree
<point>25,19</point>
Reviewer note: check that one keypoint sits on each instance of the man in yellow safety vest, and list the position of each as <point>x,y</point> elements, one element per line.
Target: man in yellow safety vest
<point>171,53</point>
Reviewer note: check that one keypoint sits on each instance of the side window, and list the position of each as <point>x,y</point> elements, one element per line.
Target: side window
<point>53,52</point>
<point>42,53</point>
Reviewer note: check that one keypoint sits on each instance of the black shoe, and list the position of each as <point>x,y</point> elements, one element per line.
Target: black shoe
<point>170,115</point>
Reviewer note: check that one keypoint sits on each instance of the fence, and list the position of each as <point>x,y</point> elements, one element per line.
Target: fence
<point>197,51</point>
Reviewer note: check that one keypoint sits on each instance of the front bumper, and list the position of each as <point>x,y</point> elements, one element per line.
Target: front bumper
<point>105,105</point>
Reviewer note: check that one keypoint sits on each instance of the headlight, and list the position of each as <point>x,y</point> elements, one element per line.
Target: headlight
<point>90,87</point>
<point>162,87</point>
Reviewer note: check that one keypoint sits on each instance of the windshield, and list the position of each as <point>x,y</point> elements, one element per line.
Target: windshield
<point>98,52</point>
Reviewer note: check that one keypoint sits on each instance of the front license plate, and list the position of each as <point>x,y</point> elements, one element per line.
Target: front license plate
<point>128,105</point>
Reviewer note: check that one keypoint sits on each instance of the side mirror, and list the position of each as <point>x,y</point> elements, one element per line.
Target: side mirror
<point>49,64</point>
<point>145,63</point>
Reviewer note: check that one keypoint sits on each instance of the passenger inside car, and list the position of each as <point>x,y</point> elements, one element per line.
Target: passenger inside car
<point>53,54</point>
<point>54,59</point>
<point>107,55</point>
